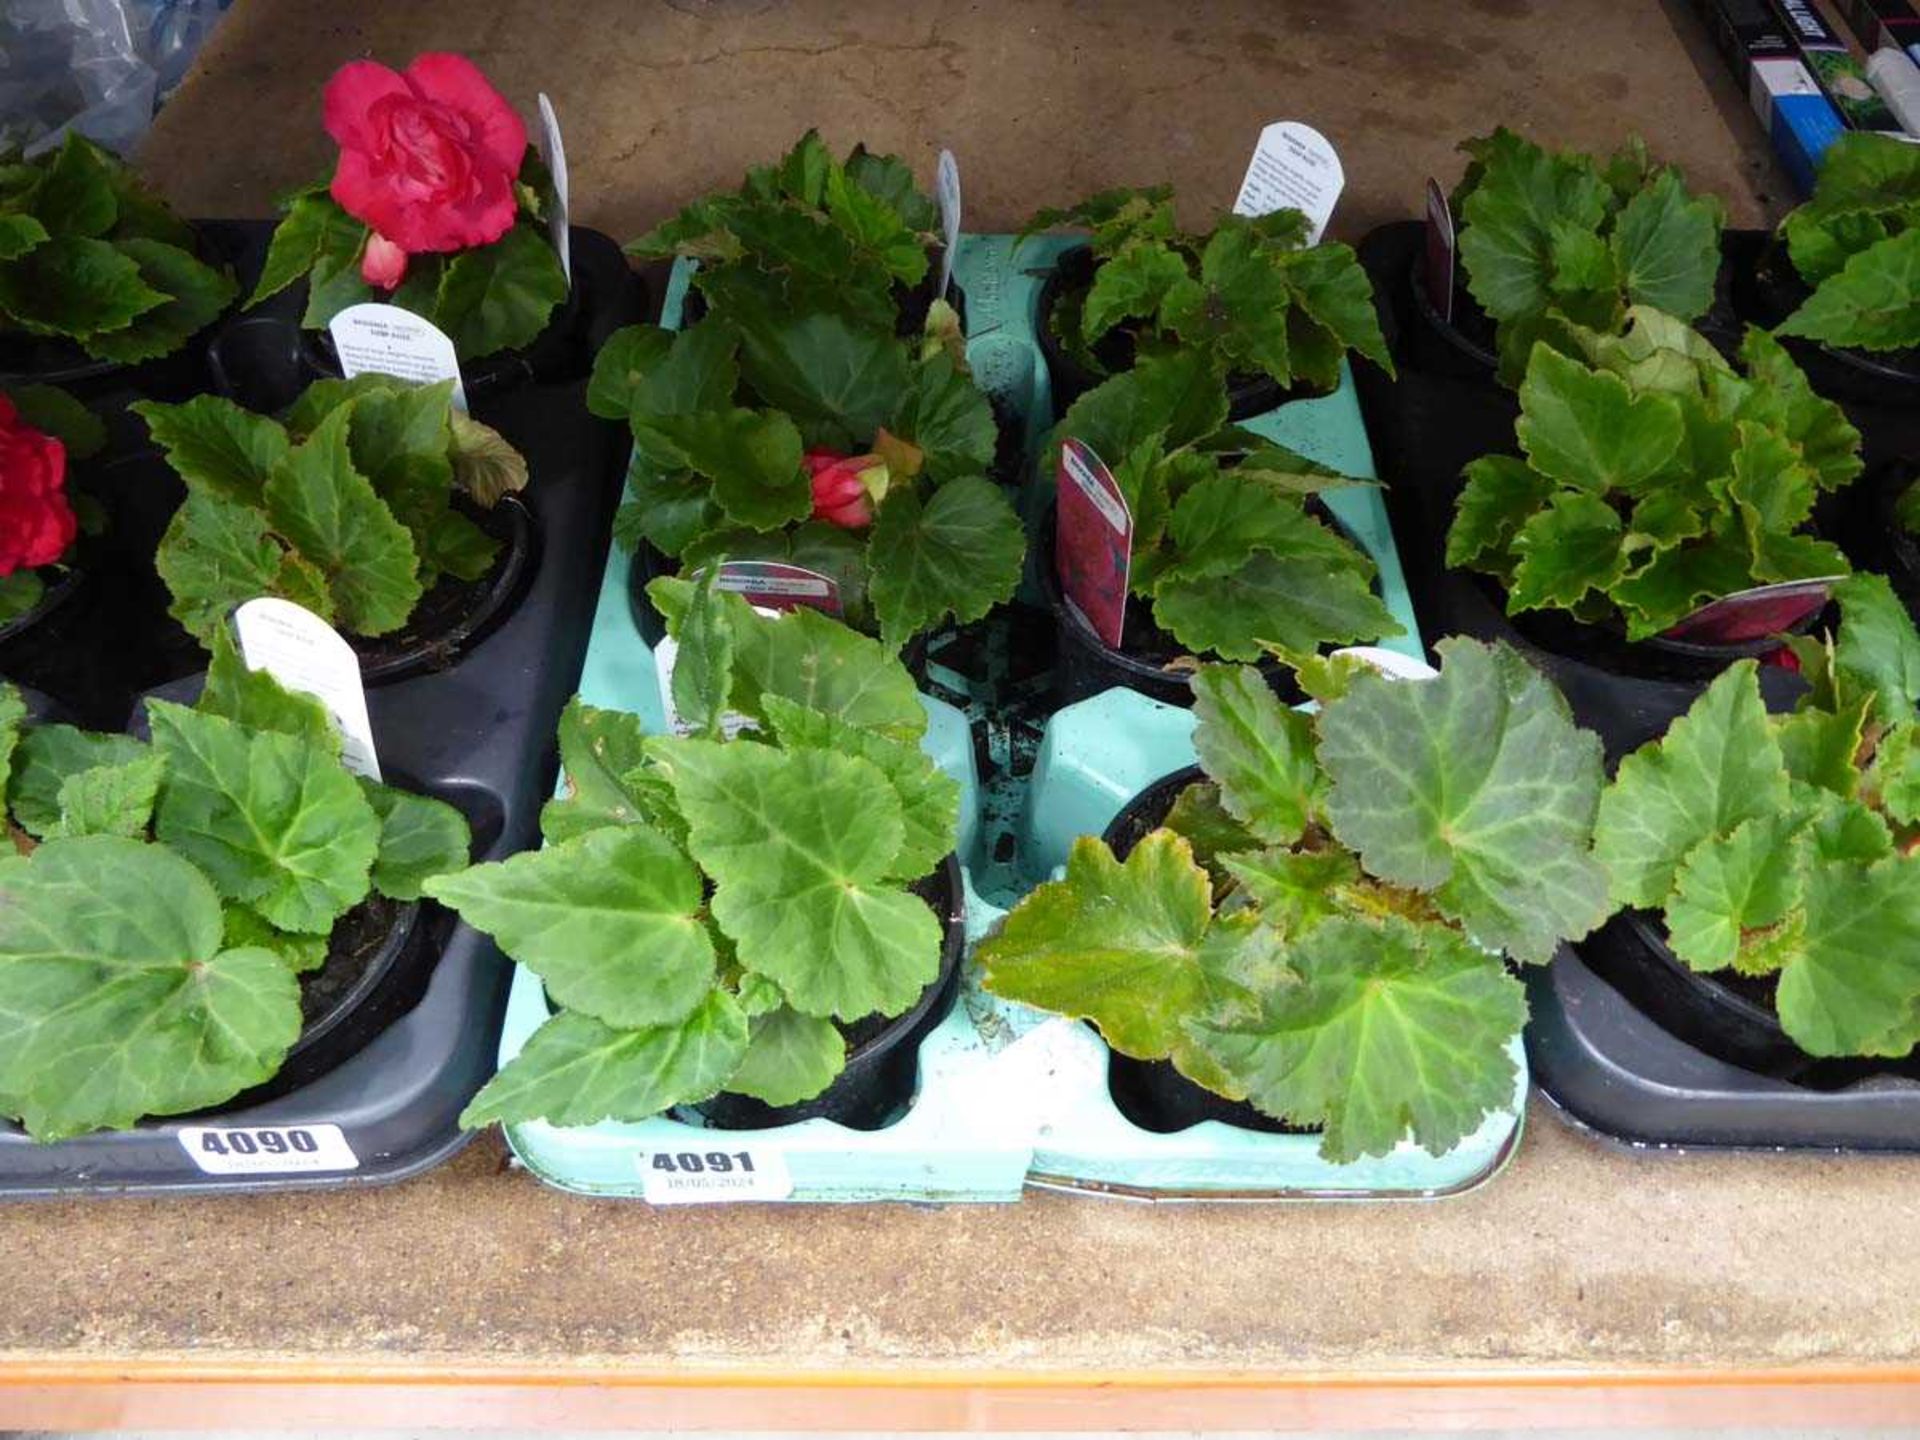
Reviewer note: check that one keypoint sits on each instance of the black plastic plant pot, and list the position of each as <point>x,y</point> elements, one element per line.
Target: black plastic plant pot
<point>1727,1016</point>
<point>1463,347</point>
<point>111,384</point>
<point>883,1055</point>
<point>1627,692</point>
<point>1069,378</point>
<point>455,615</point>
<point>1151,1093</point>
<point>1149,661</point>
<point>417,1032</point>
<point>1438,412</point>
<point>263,358</point>
<point>66,646</point>
<point>1629,1043</point>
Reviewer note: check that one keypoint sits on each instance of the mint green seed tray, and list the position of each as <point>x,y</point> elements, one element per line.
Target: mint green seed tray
<point>1008,1096</point>
<point>946,1146</point>
<point>1097,755</point>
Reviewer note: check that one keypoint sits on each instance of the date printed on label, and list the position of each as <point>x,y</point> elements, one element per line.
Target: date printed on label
<point>705,1177</point>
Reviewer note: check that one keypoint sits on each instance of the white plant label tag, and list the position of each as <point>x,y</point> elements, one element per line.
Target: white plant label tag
<point>267,1149</point>
<point>304,653</point>
<point>376,339</point>
<point>946,190</point>
<point>713,1177</point>
<point>1293,166</point>
<point>556,156</point>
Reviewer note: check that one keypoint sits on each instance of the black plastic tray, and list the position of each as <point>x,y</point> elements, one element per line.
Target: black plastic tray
<point>1606,1063</point>
<point>479,734</point>
<point>1612,1069</point>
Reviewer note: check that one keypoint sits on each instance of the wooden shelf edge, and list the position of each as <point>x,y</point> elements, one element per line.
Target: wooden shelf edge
<point>196,1392</point>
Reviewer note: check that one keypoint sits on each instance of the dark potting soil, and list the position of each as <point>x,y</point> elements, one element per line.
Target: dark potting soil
<point>358,938</point>
<point>436,628</point>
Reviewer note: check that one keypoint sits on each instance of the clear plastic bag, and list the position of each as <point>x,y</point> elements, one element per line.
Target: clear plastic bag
<point>97,66</point>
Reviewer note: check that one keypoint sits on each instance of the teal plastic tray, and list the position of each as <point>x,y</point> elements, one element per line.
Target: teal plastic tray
<point>1006,1095</point>
<point>1093,758</point>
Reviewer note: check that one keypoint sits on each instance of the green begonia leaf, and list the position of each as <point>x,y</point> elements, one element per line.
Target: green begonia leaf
<point>1667,244</point>
<point>609,919</point>
<point>329,511</point>
<point>1877,647</point>
<point>275,822</point>
<point>1728,894</point>
<point>1292,603</point>
<point>75,286</point>
<point>577,1071</point>
<point>196,296</point>
<point>812,660</point>
<point>313,226</point>
<point>255,700</point>
<point>242,928</point>
<point>619,366</point>
<point>1391,1027</point>
<point>790,1057</point>
<point>703,669</point>
<point>1130,285</point>
<point>1122,944</point>
<point>1872,304</point>
<point>19,234</point>
<point>1855,988</point>
<point>1585,428</point>
<point>752,457</point>
<point>955,556</point>
<point>1717,767</point>
<point>116,1000</point>
<point>217,554</point>
<point>803,894</point>
<point>598,748</point>
<point>217,447</point>
<point>1568,548</point>
<point>13,714</point>
<point>420,838</point>
<point>1259,753</point>
<point>500,296</point>
<point>839,381</point>
<point>110,799</point>
<point>49,408</point>
<point>948,418</point>
<point>44,759</point>
<point>1476,787</point>
<point>929,797</point>
<point>1501,492</point>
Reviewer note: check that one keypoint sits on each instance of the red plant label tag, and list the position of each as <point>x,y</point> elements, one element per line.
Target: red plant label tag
<point>1092,542</point>
<point>1439,250</point>
<point>776,585</point>
<point>1755,614</point>
<point>1293,167</point>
